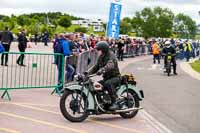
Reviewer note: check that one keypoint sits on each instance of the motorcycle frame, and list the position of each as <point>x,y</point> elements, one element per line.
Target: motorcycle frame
<point>92,103</point>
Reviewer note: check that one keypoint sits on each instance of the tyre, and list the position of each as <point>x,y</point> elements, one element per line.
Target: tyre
<point>136,104</point>
<point>73,106</point>
<point>168,68</point>
<point>168,73</point>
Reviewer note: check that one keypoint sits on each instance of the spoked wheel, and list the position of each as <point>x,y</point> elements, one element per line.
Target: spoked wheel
<point>73,106</point>
<point>132,103</point>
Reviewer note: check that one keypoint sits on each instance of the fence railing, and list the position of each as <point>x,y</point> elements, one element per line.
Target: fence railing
<point>39,72</point>
<point>47,70</point>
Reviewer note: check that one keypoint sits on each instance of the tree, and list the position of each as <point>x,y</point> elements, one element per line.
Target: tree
<point>164,22</point>
<point>81,29</point>
<point>184,26</point>
<point>23,20</point>
<point>125,26</point>
<point>153,23</point>
<point>64,21</point>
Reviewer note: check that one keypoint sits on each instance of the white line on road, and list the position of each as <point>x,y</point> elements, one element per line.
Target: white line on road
<point>155,123</point>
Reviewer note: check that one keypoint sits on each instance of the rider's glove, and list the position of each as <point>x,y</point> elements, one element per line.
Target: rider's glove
<point>100,72</point>
<point>85,73</point>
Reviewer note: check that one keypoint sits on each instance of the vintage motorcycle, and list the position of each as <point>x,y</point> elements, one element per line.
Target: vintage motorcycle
<point>169,65</point>
<point>85,97</point>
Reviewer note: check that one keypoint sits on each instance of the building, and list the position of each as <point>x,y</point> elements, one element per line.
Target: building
<point>96,24</point>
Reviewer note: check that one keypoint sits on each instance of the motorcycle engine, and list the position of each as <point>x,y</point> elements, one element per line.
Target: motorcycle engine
<point>103,97</point>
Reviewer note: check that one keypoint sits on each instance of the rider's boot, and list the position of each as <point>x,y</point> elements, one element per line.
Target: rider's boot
<point>114,105</point>
<point>174,70</point>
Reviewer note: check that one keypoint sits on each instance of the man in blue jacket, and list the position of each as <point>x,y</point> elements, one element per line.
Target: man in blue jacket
<point>63,47</point>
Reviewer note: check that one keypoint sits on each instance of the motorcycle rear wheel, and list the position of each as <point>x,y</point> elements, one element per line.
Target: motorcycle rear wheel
<point>131,114</point>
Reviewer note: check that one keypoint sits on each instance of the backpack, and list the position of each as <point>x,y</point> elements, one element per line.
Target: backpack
<point>1,48</point>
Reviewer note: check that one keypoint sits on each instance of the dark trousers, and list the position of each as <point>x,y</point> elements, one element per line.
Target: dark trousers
<point>187,55</point>
<point>7,48</point>
<point>120,54</point>
<point>156,57</point>
<point>59,64</point>
<point>20,59</point>
<point>110,85</point>
<point>46,42</point>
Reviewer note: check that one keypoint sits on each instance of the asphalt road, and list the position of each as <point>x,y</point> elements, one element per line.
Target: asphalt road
<point>174,100</point>
<point>37,111</point>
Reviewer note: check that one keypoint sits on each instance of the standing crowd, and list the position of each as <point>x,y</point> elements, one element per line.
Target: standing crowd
<point>75,43</point>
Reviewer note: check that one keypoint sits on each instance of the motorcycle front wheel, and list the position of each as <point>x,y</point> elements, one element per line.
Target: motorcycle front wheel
<point>168,69</point>
<point>73,106</point>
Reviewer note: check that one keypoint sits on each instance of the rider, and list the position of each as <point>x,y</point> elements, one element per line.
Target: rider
<point>107,66</point>
<point>170,49</point>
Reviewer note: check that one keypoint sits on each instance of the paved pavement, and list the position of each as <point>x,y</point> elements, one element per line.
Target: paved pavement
<point>188,69</point>
<point>32,111</point>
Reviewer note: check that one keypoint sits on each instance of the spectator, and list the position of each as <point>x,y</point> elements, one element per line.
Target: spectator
<point>1,48</point>
<point>46,38</point>
<point>22,40</point>
<point>121,49</point>
<point>82,45</point>
<point>63,47</point>
<point>156,52</point>
<point>55,45</point>
<point>188,50</point>
<point>6,37</point>
<point>36,38</point>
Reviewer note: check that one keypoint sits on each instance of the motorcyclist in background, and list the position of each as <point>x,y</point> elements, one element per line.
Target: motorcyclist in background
<point>168,48</point>
<point>107,66</point>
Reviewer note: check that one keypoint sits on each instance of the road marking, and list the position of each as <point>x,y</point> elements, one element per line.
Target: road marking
<point>42,122</point>
<point>140,68</point>
<point>155,123</point>
<point>8,130</point>
<point>31,104</point>
<point>116,126</point>
<point>98,122</point>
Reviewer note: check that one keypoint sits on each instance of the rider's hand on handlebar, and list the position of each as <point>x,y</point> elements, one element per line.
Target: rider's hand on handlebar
<point>99,72</point>
<point>85,73</point>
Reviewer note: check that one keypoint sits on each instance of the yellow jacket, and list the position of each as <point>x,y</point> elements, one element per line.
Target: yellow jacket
<point>188,46</point>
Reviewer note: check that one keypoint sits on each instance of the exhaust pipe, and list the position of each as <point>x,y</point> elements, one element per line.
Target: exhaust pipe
<point>128,110</point>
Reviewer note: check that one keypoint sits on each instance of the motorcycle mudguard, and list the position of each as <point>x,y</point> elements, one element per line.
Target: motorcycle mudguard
<point>130,87</point>
<point>85,91</point>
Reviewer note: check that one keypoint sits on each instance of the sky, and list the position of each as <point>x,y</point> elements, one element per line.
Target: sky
<point>97,9</point>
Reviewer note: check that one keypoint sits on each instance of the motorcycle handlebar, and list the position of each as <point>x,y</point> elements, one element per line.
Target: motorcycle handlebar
<point>92,75</point>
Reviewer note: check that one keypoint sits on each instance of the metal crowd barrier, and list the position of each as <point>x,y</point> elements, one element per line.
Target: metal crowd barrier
<point>42,72</point>
<point>136,50</point>
<point>83,61</point>
<point>39,72</point>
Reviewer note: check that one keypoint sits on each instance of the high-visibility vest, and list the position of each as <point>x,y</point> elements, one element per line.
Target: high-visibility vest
<point>189,47</point>
<point>155,48</point>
